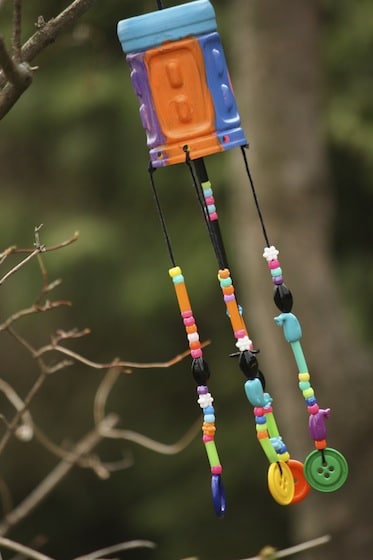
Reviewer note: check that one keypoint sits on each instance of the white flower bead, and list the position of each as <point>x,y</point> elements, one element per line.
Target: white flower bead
<point>244,343</point>
<point>205,400</point>
<point>270,253</point>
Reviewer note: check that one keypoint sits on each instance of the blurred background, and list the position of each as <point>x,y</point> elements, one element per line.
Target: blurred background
<point>73,157</point>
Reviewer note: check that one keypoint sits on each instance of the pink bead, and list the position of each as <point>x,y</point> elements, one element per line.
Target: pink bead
<point>209,200</point>
<point>268,409</point>
<point>187,313</point>
<point>189,321</point>
<point>213,216</point>
<point>274,264</point>
<point>206,439</point>
<point>218,469</point>
<point>196,353</point>
<point>258,411</point>
<point>239,334</point>
<point>313,409</point>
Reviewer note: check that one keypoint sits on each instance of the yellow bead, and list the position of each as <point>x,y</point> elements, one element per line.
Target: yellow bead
<point>307,393</point>
<point>175,271</point>
<point>304,377</point>
<point>284,456</point>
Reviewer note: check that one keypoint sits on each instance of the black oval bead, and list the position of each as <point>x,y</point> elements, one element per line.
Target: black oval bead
<point>248,364</point>
<point>283,298</point>
<point>200,371</point>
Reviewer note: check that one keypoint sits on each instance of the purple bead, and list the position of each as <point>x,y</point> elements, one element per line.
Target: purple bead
<point>317,424</point>
<point>278,280</point>
<point>202,389</point>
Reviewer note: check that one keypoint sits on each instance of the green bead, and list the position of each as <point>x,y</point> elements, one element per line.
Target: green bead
<point>303,385</point>
<point>212,454</point>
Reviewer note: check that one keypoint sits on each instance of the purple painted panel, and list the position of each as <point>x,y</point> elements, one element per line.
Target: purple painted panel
<point>140,84</point>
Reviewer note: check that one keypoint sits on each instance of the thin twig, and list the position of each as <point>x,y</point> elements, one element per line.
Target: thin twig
<point>19,265</point>
<point>273,554</point>
<point>47,249</point>
<point>24,550</point>
<point>17,30</point>
<point>115,363</point>
<point>25,431</point>
<point>48,306</point>
<point>39,493</point>
<point>117,548</point>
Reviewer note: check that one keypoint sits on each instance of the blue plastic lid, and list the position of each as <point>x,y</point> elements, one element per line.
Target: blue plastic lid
<point>140,33</point>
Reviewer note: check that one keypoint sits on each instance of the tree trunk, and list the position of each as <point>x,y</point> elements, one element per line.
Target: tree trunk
<point>277,76</point>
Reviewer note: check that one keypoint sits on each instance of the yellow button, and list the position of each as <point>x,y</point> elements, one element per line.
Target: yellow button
<point>281,483</point>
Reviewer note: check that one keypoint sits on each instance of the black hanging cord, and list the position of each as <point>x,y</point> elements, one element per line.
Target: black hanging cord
<point>256,201</point>
<point>212,227</point>
<point>159,4</point>
<point>151,171</point>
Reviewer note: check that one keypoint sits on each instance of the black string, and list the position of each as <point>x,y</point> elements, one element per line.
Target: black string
<point>255,196</point>
<point>159,4</point>
<point>151,170</point>
<point>215,241</point>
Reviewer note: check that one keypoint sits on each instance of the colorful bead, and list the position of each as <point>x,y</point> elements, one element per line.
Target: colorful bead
<point>202,390</point>
<point>273,264</point>
<point>291,326</point>
<point>205,400</point>
<point>282,297</point>
<point>270,253</point>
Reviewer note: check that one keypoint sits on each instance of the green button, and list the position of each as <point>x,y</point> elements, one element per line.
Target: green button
<point>326,470</point>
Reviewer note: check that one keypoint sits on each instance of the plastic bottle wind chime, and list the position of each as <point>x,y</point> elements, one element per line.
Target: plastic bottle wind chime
<point>188,110</point>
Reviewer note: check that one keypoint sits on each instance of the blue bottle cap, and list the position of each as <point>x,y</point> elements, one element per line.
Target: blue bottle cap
<point>140,33</point>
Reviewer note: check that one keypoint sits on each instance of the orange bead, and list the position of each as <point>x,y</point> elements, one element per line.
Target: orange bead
<point>262,435</point>
<point>191,329</point>
<point>225,273</point>
<point>208,428</point>
<point>228,290</point>
<point>320,443</point>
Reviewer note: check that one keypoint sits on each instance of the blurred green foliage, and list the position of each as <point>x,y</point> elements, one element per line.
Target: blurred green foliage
<point>73,157</point>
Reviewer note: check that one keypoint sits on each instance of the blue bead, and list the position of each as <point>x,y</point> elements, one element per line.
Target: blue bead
<point>178,279</point>
<point>310,401</point>
<point>254,392</point>
<point>209,418</point>
<point>209,410</point>
<point>260,419</point>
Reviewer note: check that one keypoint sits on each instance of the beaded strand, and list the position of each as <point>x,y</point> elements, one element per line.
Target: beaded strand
<point>317,416</point>
<point>201,374</point>
<point>266,427</point>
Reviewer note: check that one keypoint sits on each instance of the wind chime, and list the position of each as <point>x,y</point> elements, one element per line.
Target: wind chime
<point>189,111</point>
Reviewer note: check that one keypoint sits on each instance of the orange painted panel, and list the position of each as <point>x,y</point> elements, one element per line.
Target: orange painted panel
<point>182,100</point>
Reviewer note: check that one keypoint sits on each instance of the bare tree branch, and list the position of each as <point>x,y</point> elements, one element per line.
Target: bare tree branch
<point>46,34</point>
<point>84,446</point>
<point>38,248</point>
<point>101,397</point>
